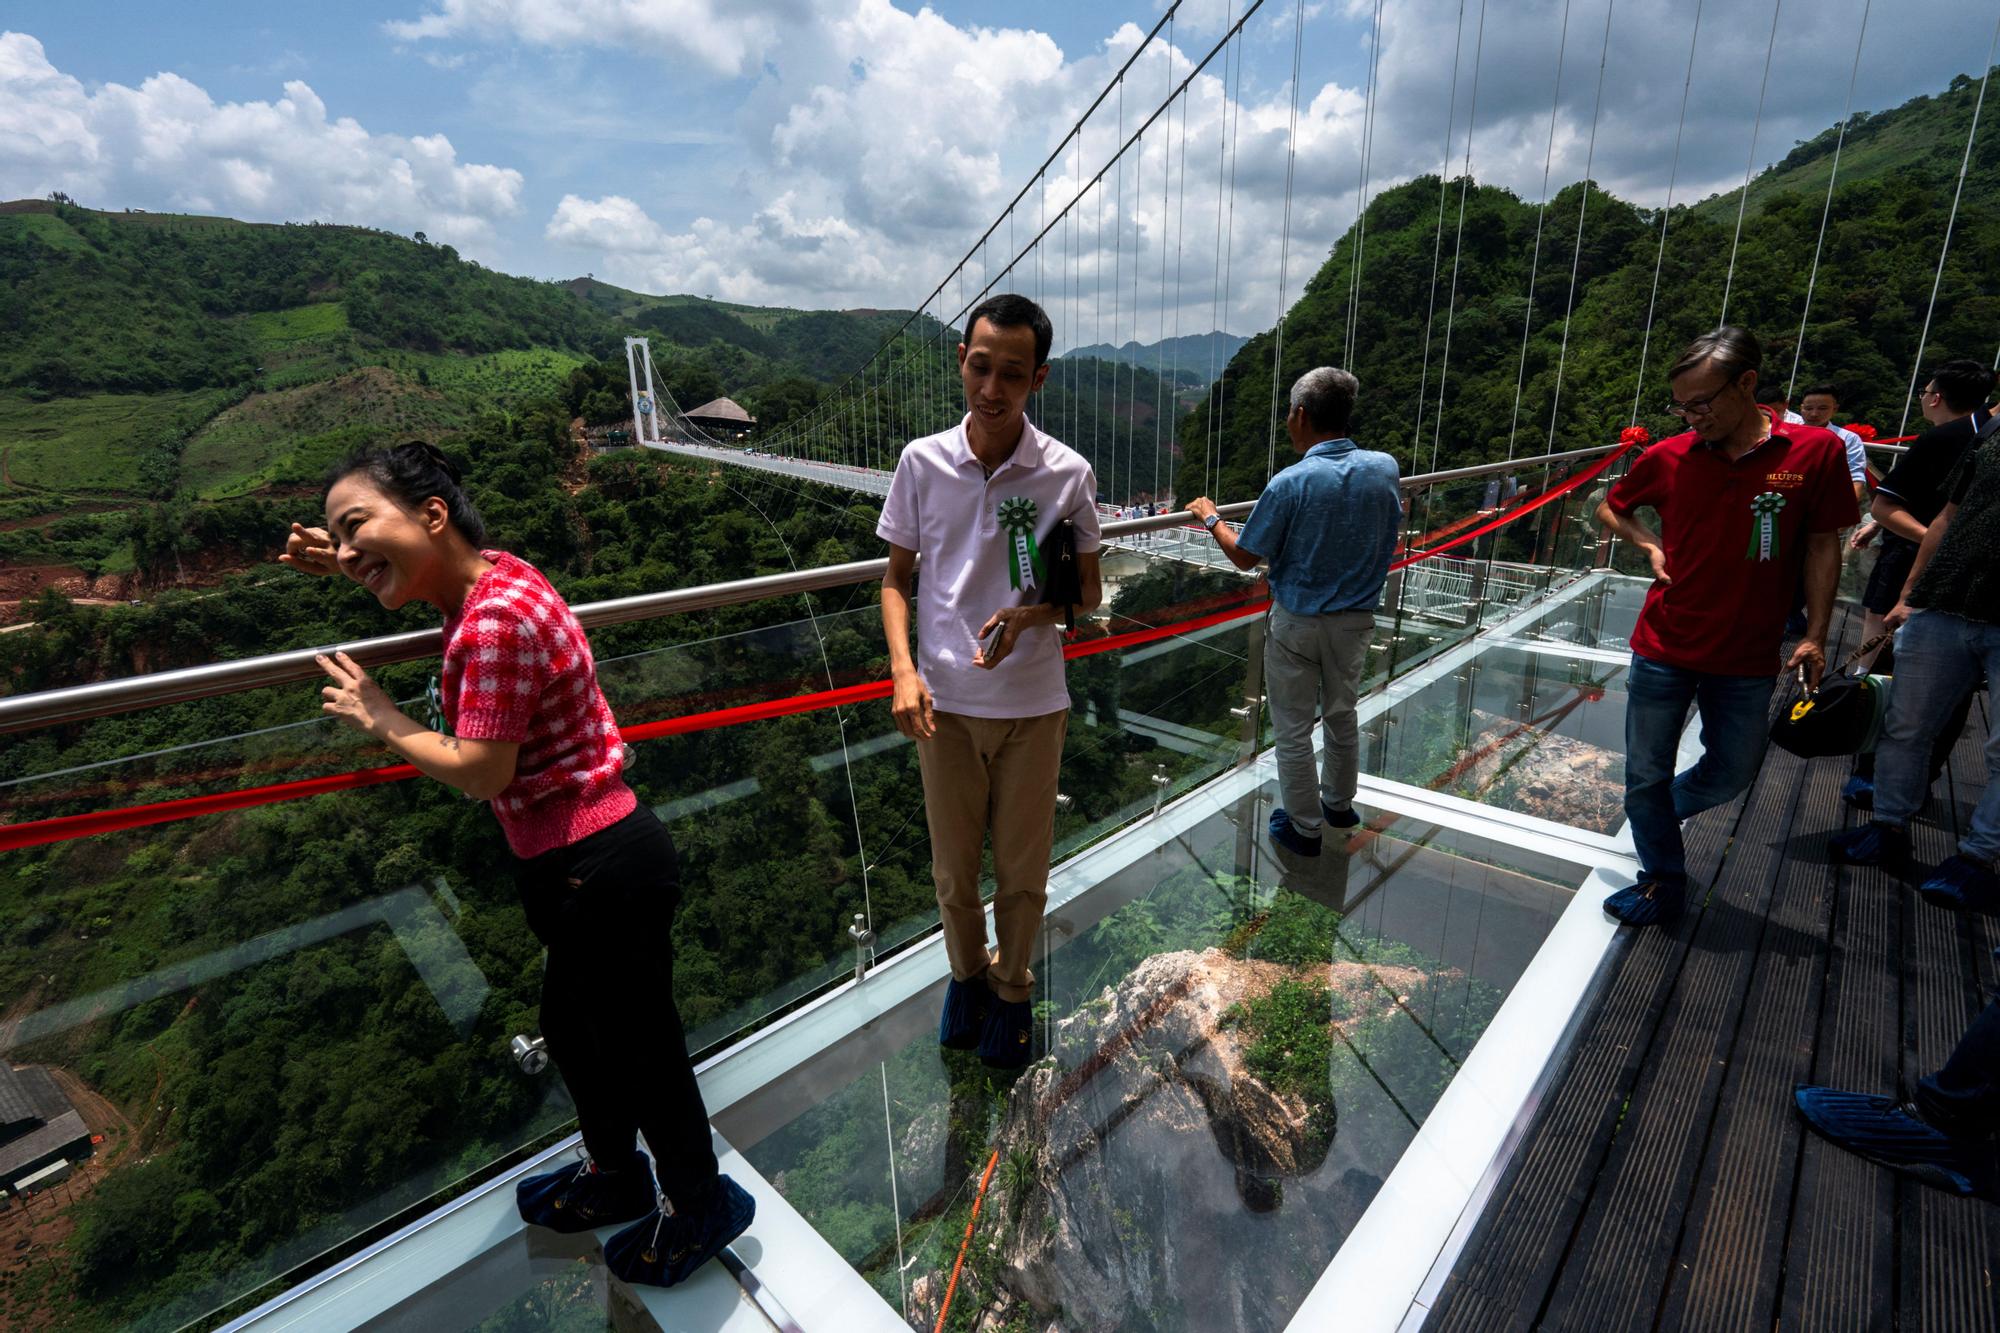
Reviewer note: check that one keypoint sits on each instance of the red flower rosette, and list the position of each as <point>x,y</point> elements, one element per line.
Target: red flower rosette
<point>1865,431</point>
<point>1632,435</point>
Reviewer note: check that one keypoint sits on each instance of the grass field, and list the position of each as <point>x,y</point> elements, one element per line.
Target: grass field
<point>319,320</point>
<point>47,228</point>
<point>291,435</point>
<point>88,445</point>
<point>494,381</point>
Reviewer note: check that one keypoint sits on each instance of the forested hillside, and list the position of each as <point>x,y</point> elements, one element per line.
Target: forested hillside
<point>1439,371</point>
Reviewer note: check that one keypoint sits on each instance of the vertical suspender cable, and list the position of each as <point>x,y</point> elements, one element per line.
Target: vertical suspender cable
<point>1756,127</point>
<point>1437,245</point>
<point>1162,403</point>
<point>1535,263</point>
<point>1285,243</point>
<point>1826,210</point>
<point>1666,217</point>
<point>1945,249</point>
<point>1180,238</point>
<point>1209,462</point>
<point>1458,242</point>
<point>1361,196</point>
<point>1235,108</point>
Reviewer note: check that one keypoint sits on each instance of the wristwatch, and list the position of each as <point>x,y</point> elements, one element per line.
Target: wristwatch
<point>1211,521</point>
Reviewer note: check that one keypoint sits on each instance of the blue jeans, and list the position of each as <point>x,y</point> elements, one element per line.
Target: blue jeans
<point>1938,659</point>
<point>1963,1098</point>
<point>1734,728</point>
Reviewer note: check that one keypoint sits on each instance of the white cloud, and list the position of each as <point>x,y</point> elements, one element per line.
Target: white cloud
<point>727,37</point>
<point>168,145</point>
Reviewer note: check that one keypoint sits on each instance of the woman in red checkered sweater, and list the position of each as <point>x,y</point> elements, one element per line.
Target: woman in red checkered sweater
<point>525,727</point>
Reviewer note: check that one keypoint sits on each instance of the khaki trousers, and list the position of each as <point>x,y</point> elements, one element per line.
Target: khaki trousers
<point>985,773</point>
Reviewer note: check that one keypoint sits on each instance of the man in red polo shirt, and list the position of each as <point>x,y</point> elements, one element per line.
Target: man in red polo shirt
<point>1744,502</point>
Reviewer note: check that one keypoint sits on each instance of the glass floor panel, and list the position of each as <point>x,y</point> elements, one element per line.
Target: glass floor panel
<point>1533,732</point>
<point>1230,1062</point>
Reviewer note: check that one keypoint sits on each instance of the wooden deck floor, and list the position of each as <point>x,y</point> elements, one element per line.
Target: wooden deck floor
<point>1666,1181</point>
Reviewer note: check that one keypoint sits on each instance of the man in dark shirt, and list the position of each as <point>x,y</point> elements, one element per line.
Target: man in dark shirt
<point>1953,401</point>
<point>1744,501</point>
<point>1949,616</point>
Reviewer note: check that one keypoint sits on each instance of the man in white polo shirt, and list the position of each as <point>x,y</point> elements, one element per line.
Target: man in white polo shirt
<point>984,697</point>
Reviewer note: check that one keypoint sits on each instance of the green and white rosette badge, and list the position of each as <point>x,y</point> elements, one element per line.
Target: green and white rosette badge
<point>1017,515</point>
<point>1764,526</point>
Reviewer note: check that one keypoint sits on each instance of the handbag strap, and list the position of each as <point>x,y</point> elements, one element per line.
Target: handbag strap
<point>1841,670</point>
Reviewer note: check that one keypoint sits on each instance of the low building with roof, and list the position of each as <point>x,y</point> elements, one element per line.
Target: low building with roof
<point>38,1126</point>
<point>723,418</point>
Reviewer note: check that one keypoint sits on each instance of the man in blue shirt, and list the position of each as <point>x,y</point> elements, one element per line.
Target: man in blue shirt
<point>1327,527</point>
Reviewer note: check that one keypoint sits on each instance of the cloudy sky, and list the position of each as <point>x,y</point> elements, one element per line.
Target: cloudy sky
<point>836,153</point>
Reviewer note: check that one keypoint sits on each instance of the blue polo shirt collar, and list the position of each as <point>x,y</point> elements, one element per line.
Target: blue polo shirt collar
<point>1331,448</point>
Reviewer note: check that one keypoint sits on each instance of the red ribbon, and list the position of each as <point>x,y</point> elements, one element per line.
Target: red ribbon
<point>66,827</point>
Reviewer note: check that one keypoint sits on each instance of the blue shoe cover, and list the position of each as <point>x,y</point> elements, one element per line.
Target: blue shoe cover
<point>663,1249</point>
<point>1963,885</point>
<point>1859,793</point>
<point>1008,1038</point>
<point>1651,903</point>
<point>964,1015</point>
<point>1886,1131</point>
<point>1286,834</point>
<point>582,1198</point>
<point>1873,844</point>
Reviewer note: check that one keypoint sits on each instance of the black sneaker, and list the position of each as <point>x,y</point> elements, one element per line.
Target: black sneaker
<point>666,1248</point>
<point>1009,1036</point>
<point>1649,903</point>
<point>584,1197</point>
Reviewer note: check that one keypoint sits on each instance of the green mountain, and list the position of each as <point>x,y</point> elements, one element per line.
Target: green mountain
<point>1439,373</point>
<point>1191,358</point>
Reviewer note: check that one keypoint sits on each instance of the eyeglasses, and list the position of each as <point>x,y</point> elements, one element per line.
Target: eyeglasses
<point>1696,407</point>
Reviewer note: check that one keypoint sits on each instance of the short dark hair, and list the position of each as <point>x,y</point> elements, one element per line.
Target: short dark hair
<point>1731,348</point>
<point>1009,311</point>
<point>1823,390</point>
<point>1964,384</point>
<point>1326,395</point>
<point>1771,393</point>
<point>410,474</point>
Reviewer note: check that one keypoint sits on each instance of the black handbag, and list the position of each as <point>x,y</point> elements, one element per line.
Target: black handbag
<point>1062,584</point>
<point>1843,716</point>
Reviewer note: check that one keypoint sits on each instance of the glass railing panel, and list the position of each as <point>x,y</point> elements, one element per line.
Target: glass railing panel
<point>1539,733</point>
<point>1603,617</point>
<point>1233,1058</point>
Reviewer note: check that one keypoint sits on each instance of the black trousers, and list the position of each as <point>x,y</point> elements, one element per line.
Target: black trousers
<point>604,907</point>
<point>1963,1098</point>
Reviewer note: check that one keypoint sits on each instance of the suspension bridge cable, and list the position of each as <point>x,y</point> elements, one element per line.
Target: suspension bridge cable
<point>1583,209</point>
<point>1361,195</point>
<point>1180,288</point>
<point>1950,222</point>
<point>1458,242</point>
<point>1215,316</point>
<point>1235,108</point>
<point>1285,243</point>
<point>1535,262</point>
<point>1437,245</point>
<point>1166,194</point>
<point>1756,127</point>
<point>1826,210</point>
<point>1666,216</point>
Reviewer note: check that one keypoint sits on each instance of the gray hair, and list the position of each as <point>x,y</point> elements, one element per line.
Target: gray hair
<point>1327,397</point>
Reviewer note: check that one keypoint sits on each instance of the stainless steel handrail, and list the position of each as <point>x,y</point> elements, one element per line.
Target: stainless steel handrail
<point>81,702</point>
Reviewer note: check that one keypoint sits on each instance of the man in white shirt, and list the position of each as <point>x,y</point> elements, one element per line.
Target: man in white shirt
<point>1817,407</point>
<point>985,697</point>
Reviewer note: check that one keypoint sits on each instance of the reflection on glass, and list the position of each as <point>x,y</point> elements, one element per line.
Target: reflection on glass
<point>1233,1060</point>
<point>1536,733</point>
